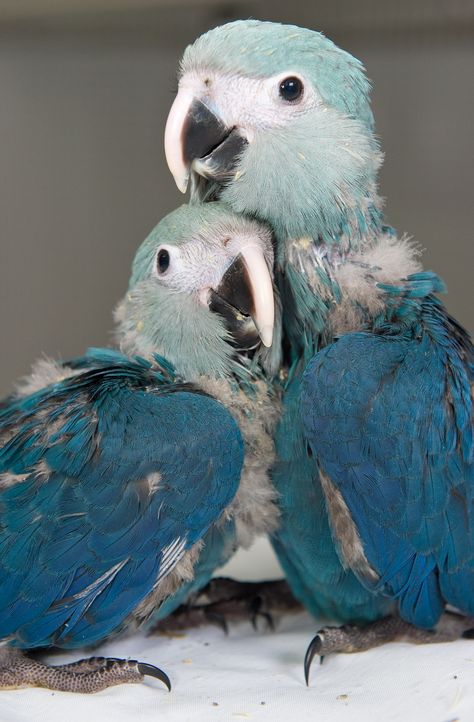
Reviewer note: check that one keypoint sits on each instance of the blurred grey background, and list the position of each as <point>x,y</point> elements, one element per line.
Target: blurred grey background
<point>85,86</point>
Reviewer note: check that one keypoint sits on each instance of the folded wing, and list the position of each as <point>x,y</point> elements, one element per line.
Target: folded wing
<point>107,479</point>
<point>389,420</point>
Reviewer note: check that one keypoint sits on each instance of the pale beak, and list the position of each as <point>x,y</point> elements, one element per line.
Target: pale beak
<point>262,287</point>
<point>173,143</point>
<point>196,138</point>
<point>246,292</point>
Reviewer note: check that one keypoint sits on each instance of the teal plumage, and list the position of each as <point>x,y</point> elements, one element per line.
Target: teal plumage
<point>262,49</point>
<point>388,415</point>
<point>121,476</point>
<point>388,372</point>
<point>84,535</point>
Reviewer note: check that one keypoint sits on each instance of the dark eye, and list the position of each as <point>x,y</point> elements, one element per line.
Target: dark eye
<point>163,260</point>
<point>291,89</point>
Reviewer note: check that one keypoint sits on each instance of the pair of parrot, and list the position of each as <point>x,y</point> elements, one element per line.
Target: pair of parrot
<point>285,367</point>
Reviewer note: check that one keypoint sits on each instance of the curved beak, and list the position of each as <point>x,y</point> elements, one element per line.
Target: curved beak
<point>245,298</point>
<point>196,138</point>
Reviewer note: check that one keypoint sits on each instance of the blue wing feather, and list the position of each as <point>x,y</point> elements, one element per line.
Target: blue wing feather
<point>123,468</point>
<point>389,417</point>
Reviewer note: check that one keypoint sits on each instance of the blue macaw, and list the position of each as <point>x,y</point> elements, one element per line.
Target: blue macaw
<point>375,448</point>
<point>124,481</point>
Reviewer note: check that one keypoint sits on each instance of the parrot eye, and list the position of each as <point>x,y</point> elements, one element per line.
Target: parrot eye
<point>291,89</point>
<point>162,261</point>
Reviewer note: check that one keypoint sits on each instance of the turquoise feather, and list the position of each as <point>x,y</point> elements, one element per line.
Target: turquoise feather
<point>313,177</point>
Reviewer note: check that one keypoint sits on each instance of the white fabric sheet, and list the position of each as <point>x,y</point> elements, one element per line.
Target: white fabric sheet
<point>259,676</point>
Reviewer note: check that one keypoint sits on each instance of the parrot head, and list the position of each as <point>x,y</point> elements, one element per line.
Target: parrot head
<point>201,292</point>
<point>275,120</point>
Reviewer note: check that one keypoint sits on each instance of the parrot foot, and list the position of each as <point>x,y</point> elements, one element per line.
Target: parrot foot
<point>84,676</point>
<point>349,639</point>
<point>257,612</point>
<point>225,599</point>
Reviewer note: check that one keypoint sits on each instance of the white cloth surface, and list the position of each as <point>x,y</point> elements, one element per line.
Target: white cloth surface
<point>258,676</point>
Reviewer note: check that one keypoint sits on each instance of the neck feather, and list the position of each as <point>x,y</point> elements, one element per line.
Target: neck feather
<point>331,289</point>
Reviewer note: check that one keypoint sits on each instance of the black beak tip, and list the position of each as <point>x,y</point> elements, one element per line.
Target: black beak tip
<point>234,301</point>
<point>210,148</point>
<point>202,132</point>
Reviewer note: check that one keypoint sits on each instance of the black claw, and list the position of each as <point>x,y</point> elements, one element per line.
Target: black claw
<point>313,649</point>
<point>468,634</point>
<point>256,612</point>
<point>268,619</point>
<point>218,619</point>
<point>152,671</point>
<point>254,609</point>
<point>270,622</point>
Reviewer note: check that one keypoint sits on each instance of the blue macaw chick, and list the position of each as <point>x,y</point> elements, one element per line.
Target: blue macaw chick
<point>122,479</point>
<point>375,447</point>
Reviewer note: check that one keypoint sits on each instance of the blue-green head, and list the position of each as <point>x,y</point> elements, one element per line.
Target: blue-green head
<point>276,121</point>
<point>201,293</point>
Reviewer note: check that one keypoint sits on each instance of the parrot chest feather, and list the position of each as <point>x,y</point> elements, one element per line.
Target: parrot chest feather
<point>254,508</point>
<point>331,289</point>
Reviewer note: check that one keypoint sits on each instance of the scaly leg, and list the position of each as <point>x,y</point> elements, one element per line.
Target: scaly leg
<point>85,676</point>
<point>350,639</point>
